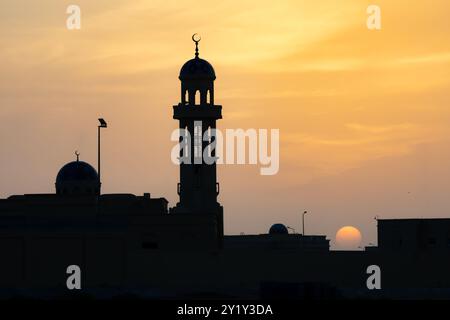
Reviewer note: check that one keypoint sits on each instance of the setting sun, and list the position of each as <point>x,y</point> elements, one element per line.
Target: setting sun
<point>348,237</point>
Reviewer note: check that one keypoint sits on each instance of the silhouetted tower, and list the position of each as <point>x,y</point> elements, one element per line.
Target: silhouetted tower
<point>197,114</point>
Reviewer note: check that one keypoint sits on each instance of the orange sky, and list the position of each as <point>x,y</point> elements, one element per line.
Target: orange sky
<point>363,115</point>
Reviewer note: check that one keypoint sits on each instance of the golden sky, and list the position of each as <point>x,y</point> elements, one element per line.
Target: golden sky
<point>363,114</point>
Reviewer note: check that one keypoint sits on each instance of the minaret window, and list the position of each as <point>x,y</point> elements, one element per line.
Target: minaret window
<point>197,97</point>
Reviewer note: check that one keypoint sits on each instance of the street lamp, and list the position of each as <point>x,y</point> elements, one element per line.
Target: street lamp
<point>102,125</point>
<point>303,221</point>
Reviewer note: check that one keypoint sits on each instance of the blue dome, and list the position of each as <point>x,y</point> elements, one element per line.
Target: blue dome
<point>197,69</point>
<point>76,171</point>
<point>278,228</point>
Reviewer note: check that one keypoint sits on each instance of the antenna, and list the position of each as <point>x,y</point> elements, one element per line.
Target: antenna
<point>290,228</point>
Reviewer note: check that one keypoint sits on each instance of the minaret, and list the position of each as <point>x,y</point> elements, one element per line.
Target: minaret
<point>197,114</point>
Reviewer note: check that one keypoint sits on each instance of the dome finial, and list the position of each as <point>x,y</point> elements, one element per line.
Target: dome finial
<point>78,155</point>
<point>196,40</point>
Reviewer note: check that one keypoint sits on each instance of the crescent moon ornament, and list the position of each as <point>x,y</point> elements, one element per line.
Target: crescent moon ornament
<point>196,39</point>
<point>77,154</point>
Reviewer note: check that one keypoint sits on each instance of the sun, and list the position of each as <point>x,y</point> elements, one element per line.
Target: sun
<point>348,238</point>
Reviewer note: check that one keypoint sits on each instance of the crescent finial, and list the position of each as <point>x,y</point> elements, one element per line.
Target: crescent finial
<point>78,155</point>
<point>196,40</point>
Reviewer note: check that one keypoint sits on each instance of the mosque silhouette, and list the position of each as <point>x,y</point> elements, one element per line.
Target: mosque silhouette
<point>136,244</point>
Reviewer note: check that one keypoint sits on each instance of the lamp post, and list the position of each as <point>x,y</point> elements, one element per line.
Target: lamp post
<point>102,125</point>
<point>303,221</point>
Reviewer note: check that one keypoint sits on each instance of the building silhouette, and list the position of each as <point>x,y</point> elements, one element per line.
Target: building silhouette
<point>135,243</point>
<point>197,115</point>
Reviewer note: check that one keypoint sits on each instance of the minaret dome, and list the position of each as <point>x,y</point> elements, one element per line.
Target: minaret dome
<point>197,80</point>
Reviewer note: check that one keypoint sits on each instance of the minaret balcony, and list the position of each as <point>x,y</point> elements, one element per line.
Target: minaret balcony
<point>186,111</point>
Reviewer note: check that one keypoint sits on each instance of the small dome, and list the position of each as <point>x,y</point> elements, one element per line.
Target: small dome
<point>77,177</point>
<point>278,228</point>
<point>197,69</point>
<point>76,171</point>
